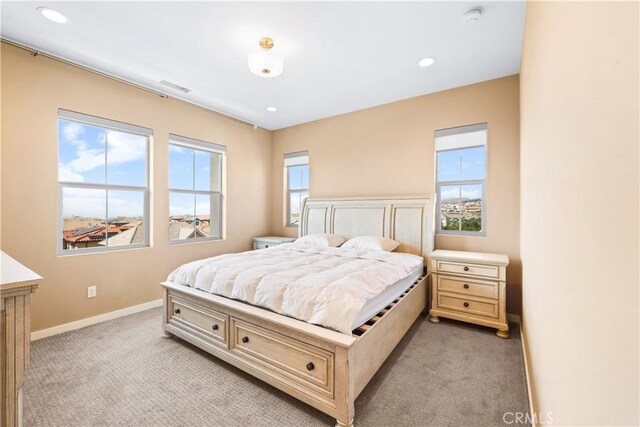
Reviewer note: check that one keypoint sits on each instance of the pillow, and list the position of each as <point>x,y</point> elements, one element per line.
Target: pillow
<point>374,243</point>
<point>323,240</point>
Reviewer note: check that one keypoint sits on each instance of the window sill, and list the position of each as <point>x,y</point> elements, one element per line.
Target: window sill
<point>195,241</point>
<point>461,234</point>
<point>76,252</point>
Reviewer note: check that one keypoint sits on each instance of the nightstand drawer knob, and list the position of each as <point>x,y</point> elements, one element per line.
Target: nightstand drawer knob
<point>466,268</point>
<point>310,366</point>
<point>214,327</point>
<point>466,286</point>
<point>177,311</point>
<point>466,304</point>
<point>245,339</point>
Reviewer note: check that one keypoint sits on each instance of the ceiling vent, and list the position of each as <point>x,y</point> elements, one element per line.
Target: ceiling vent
<point>175,86</point>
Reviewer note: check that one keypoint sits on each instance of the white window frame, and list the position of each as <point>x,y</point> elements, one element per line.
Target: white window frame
<point>442,145</point>
<point>208,147</point>
<point>299,158</point>
<point>86,119</point>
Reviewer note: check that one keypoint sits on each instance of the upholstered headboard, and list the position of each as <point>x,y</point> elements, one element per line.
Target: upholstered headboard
<point>407,220</point>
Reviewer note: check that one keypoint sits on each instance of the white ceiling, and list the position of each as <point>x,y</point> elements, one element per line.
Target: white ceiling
<point>339,57</point>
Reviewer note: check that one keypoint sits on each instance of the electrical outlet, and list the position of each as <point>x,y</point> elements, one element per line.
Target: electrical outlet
<point>91,292</point>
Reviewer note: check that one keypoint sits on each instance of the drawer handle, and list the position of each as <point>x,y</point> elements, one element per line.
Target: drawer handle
<point>466,286</point>
<point>245,339</point>
<point>466,268</point>
<point>466,304</point>
<point>310,366</point>
<point>177,311</point>
<point>214,327</point>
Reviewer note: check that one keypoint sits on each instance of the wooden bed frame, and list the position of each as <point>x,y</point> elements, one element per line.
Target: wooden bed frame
<point>321,367</point>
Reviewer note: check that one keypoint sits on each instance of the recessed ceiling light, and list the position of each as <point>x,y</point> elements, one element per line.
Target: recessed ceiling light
<point>272,109</point>
<point>53,15</point>
<point>472,16</point>
<point>426,62</point>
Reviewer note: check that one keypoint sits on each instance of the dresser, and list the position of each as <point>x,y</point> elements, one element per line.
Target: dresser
<point>267,241</point>
<point>471,287</point>
<point>17,283</point>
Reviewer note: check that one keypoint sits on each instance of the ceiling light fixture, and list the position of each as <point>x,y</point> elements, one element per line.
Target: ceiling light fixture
<point>53,15</point>
<point>471,16</point>
<point>272,109</point>
<point>264,63</point>
<point>427,62</point>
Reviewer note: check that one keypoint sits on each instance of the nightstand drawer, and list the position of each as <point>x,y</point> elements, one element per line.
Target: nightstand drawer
<point>467,305</point>
<point>268,241</point>
<point>481,288</point>
<point>469,269</point>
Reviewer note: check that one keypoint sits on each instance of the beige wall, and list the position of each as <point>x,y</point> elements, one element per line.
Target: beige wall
<point>579,209</point>
<point>33,88</point>
<point>389,150</point>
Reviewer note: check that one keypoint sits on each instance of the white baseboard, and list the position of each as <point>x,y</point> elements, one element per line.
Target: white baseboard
<point>95,319</point>
<point>527,373</point>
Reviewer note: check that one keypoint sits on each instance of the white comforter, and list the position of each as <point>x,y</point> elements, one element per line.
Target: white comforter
<point>326,286</point>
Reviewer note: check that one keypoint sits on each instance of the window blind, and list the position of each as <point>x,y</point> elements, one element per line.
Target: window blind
<point>296,159</point>
<point>461,137</point>
<point>196,143</point>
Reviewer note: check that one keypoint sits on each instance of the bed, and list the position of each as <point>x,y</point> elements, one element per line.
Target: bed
<point>323,367</point>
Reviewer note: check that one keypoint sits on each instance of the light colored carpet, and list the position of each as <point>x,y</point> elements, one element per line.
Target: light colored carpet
<point>122,372</point>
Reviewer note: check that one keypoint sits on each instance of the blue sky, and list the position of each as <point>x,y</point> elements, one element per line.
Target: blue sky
<point>81,159</point>
<point>298,179</point>
<point>468,163</point>
<point>462,164</point>
<point>183,162</point>
<point>460,191</point>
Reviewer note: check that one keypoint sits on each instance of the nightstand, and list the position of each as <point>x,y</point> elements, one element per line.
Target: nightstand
<point>265,242</point>
<point>471,287</point>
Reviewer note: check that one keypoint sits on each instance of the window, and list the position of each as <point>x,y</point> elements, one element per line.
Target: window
<point>297,185</point>
<point>102,184</point>
<point>195,189</point>
<point>461,169</point>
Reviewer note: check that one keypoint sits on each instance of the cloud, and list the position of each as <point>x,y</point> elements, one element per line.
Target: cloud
<point>184,206</point>
<point>71,131</point>
<point>86,160</point>
<point>67,175</point>
<point>91,203</point>
<point>84,202</point>
<point>450,192</point>
<point>121,148</point>
<point>129,206</point>
<point>125,147</point>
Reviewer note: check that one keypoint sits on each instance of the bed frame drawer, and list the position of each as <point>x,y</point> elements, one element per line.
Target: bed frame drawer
<point>481,288</point>
<point>202,320</point>
<point>469,269</point>
<point>285,358</point>
<point>473,305</point>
